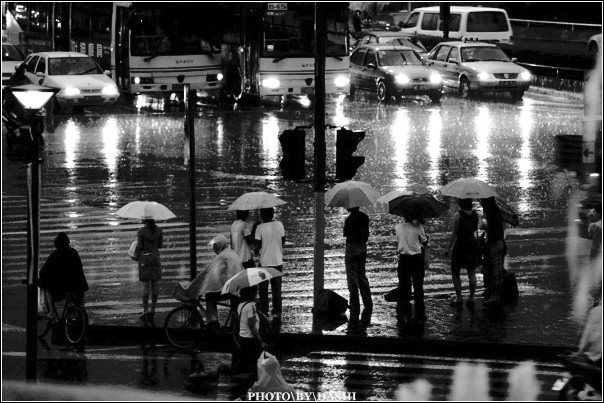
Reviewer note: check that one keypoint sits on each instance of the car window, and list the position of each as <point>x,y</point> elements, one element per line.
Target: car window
<point>430,22</point>
<point>415,45</point>
<point>11,53</point>
<point>59,66</point>
<point>399,58</point>
<point>411,21</point>
<point>483,53</point>
<point>453,23</point>
<point>370,58</point>
<point>487,21</point>
<point>454,54</point>
<point>41,67</point>
<point>372,39</point>
<point>30,65</point>
<point>441,54</point>
<point>360,56</point>
<point>356,57</point>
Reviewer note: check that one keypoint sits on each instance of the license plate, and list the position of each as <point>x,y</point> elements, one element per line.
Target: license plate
<point>308,90</point>
<point>419,87</point>
<point>92,98</point>
<point>507,83</point>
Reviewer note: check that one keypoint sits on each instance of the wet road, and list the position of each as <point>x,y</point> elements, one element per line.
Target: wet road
<point>97,162</point>
<point>158,369</point>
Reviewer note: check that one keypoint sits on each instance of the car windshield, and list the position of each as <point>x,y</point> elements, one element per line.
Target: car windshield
<point>12,53</point>
<point>483,54</point>
<point>399,58</point>
<point>63,66</point>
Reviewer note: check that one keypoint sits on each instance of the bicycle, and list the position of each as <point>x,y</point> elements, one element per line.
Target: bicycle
<point>73,320</point>
<point>184,326</point>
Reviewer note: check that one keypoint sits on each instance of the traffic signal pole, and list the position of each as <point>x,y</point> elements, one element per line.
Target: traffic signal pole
<point>320,151</point>
<point>190,100</point>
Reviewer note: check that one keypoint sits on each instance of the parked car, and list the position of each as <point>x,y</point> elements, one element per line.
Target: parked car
<point>476,67</point>
<point>78,77</point>
<point>393,38</point>
<point>392,71</point>
<point>475,23</point>
<point>12,56</point>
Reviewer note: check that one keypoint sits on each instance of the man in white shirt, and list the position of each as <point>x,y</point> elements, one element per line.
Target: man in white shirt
<point>411,236</point>
<point>241,238</point>
<point>271,237</point>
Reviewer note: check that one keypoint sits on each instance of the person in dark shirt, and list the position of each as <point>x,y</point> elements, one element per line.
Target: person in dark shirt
<point>62,274</point>
<point>356,232</point>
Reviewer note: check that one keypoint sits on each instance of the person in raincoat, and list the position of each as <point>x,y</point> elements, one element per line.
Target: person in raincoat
<point>211,279</point>
<point>149,240</point>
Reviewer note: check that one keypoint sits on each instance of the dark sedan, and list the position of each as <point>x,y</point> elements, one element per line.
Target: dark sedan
<point>392,71</point>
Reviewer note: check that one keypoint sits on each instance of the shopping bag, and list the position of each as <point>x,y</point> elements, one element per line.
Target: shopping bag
<point>132,251</point>
<point>270,378</point>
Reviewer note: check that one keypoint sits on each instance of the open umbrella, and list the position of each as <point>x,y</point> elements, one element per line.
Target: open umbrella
<point>393,195</point>
<point>255,201</point>
<point>468,188</point>
<point>351,194</point>
<point>416,206</point>
<point>507,213</point>
<point>249,278</point>
<point>145,210</point>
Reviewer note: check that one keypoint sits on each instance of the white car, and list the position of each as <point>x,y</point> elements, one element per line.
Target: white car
<point>12,56</point>
<point>78,77</point>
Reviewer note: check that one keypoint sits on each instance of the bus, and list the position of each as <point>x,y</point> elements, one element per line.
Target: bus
<point>158,47</point>
<point>280,60</point>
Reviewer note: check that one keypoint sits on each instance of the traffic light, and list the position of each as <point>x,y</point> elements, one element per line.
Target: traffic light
<point>346,144</point>
<point>23,132</point>
<point>293,145</point>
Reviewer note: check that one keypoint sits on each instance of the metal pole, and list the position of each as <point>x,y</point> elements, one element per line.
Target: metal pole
<point>319,160</point>
<point>33,243</point>
<point>190,99</point>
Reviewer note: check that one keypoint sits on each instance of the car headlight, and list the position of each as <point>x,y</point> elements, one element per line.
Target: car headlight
<point>482,76</point>
<point>137,80</point>
<point>435,78</point>
<point>341,81</point>
<point>402,79</point>
<point>109,90</point>
<point>525,75</point>
<point>271,83</point>
<point>219,76</point>
<point>71,91</point>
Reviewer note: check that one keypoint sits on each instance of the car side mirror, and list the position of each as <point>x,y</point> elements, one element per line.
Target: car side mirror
<point>514,59</point>
<point>371,66</point>
<point>453,60</point>
<point>40,74</point>
<point>107,73</point>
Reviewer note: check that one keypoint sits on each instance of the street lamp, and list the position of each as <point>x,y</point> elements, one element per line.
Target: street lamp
<point>32,99</point>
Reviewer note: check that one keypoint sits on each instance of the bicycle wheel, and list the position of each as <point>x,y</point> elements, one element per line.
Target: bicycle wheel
<point>183,326</point>
<point>76,322</point>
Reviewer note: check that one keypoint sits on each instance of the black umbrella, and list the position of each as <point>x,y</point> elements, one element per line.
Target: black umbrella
<point>416,206</point>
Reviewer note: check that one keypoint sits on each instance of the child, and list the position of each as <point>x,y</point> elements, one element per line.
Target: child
<point>249,331</point>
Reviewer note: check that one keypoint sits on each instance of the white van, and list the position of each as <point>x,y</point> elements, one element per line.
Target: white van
<point>472,23</point>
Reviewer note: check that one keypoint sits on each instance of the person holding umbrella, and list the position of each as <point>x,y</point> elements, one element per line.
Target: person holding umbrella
<point>242,241</point>
<point>356,232</point>
<point>464,249</point>
<point>149,240</point>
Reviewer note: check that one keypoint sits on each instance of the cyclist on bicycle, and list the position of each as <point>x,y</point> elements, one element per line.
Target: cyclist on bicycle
<point>211,279</point>
<point>62,274</point>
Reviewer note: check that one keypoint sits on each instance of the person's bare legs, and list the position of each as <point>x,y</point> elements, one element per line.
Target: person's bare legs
<point>472,280</point>
<point>154,295</point>
<point>146,292</point>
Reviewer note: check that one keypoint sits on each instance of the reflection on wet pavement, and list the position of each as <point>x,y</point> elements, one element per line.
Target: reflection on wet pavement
<point>95,164</point>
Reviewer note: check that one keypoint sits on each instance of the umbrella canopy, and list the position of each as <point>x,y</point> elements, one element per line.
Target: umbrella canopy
<point>145,210</point>
<point>468,188</point>
<point>416,206</point>
<point>351,194</point>
<point>393,195</point>
<point>255,201</point>
<point>249,278</point>
<point>508,214</point>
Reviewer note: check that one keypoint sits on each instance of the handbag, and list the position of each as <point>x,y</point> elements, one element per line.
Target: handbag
<point>132,251</point>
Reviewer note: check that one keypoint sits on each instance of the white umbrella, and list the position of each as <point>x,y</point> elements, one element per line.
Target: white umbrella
<point>145,210</point>
<point>393,195</point>
<point>248,278</point>
<point>468,188</point>
<point>255,201</point>
<point>351,194</point>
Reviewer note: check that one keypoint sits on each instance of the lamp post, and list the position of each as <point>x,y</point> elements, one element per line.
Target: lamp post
<point>32,98</point>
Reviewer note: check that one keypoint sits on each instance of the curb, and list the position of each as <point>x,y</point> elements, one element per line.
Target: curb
<point>296,343</point>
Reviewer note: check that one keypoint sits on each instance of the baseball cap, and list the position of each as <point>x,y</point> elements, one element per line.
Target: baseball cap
<point>220,240</point>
